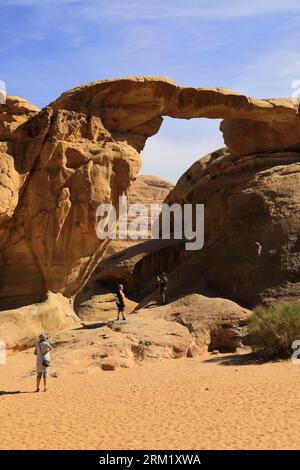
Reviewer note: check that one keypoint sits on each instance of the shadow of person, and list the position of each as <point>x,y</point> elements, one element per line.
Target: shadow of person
<point>16,392</point>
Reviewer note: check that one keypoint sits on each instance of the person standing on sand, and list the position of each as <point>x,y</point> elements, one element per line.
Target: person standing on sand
<point>163,285</point>
<point>121,302</point>
<point>42,352</point>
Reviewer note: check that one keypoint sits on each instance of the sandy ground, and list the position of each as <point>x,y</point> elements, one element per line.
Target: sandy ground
<point>211,402</point>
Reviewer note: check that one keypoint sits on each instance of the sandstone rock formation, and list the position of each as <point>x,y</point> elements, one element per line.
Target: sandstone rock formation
<point>132,109</point>
<point>101,307</point>
<point>252,223</point>
<point>144,190</point>
<point>55,175</point>
<point>216,323</point>
<point>20,328</point>
<point>14,112</point>
<point>136,266</point>
<point>60,163</point>
<point>121,257</point>
<point>122,344</point>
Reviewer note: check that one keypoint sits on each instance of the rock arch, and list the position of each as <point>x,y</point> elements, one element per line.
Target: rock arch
<point>132,109</point>
<point>59,163</point>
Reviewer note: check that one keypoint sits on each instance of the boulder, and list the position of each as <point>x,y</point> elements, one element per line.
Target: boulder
<point>21,327</point>
<point>13,113</point>
<point>246,136</point>
<point>216,323</point>
<point>122,344</point>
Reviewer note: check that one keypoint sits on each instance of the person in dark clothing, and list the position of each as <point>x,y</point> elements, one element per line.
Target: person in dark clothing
<point>163,285</point>
<point>121,302</point>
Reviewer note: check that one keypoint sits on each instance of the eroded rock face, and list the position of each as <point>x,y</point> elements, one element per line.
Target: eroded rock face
<point>252,223</point>
<point>246,136</point>
<point>54,178</point>
<point>146,190</point>
<point>13,113</point>
<point>214,322</point>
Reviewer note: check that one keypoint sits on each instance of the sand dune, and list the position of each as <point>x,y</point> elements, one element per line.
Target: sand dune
<point>211,402</point>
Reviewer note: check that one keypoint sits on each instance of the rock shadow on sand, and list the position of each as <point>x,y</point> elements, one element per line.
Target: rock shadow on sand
<point>238,360</point>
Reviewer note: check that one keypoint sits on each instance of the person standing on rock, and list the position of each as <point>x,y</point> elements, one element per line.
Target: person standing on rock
<point>42,352</point>
<point>121,302</point>
<point>163,285</point>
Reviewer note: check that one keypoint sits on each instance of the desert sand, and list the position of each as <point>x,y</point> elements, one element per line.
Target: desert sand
<point>221,401</point>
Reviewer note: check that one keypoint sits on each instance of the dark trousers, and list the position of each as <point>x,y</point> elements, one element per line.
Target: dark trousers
<point>163,296</point>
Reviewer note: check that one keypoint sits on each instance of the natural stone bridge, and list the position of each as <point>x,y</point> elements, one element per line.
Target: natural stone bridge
<point>132,109</point>
<point>58,164</point>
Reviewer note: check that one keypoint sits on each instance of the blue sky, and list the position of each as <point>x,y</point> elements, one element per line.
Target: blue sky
<point>48,46</point>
